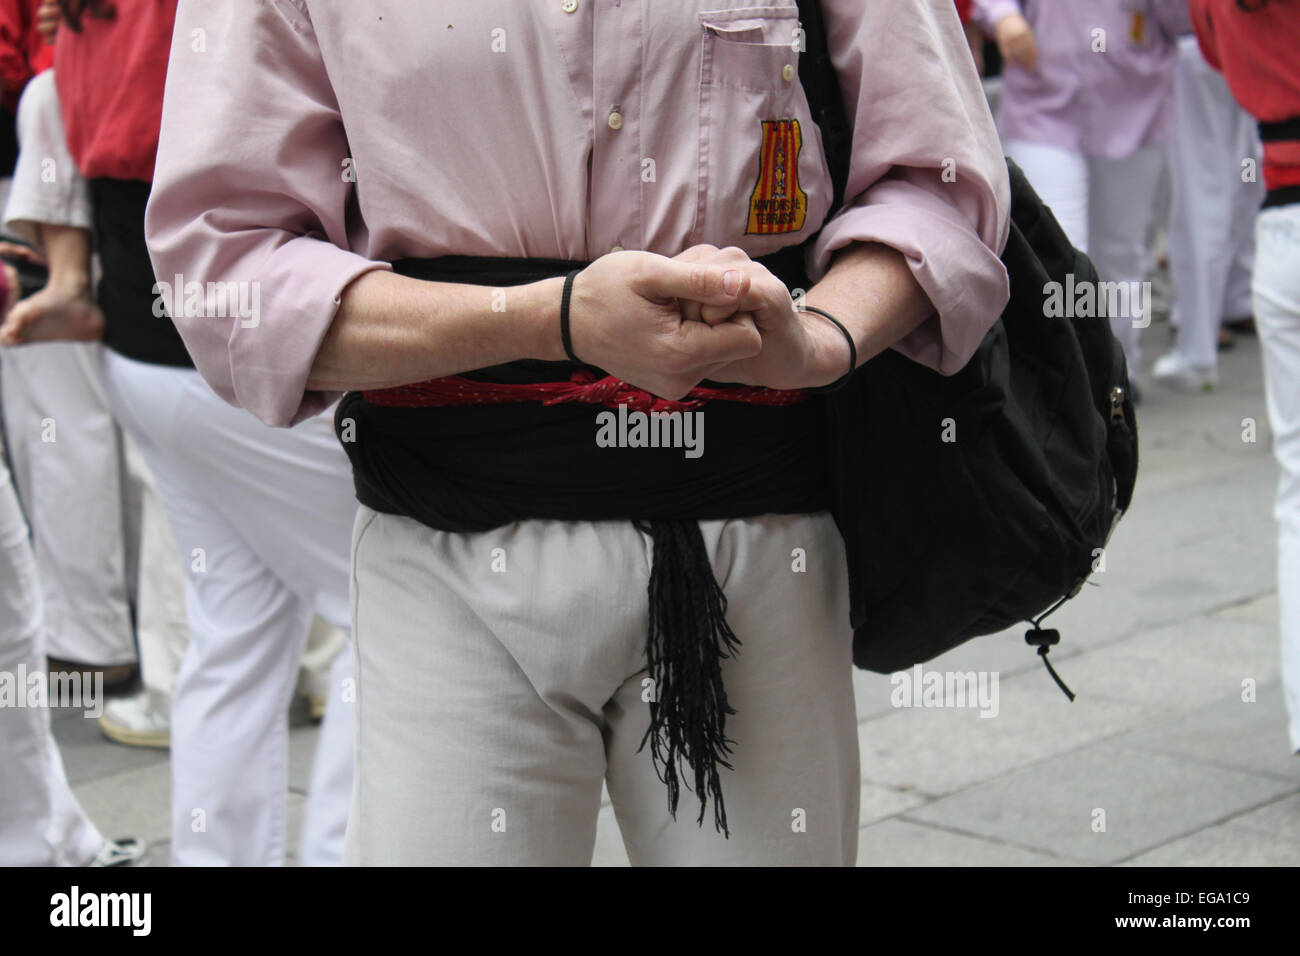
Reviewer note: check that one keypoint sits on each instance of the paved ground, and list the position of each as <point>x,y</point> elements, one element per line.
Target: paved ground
<point>1160,738</point>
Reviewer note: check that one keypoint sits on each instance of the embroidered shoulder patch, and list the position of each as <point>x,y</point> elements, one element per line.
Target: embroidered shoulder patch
<point>1137,29</point>
<point>778,204</point>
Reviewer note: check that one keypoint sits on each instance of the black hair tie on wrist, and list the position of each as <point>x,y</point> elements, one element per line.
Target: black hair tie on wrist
<point>843,380</point>
<point>565,336</point>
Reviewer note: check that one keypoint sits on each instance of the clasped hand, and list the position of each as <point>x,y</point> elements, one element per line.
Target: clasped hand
<point>665,325</point>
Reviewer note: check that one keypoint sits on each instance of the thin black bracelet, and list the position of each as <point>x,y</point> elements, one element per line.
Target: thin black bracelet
<point>565,336</point>
<point>843,380</point>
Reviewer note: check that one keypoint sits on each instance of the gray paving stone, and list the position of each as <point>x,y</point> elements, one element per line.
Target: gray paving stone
<point>135,803</point>
<point>1279,821</point>
<point>1148,800</point>
<point>609,841</point>
<point>1230,733</point>
<point>303,740</point>
<point>940,751</point>
<point>879,803</point>
<point>904,843</point>
<point>88,755</point>
<point>1179,667</point>
<point>871,694</point>
<point>1261,611</point>
<point>158,854</point>
<point>1223,845</point>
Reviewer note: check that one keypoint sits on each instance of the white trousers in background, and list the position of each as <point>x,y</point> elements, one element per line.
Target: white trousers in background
<point>69,467</point>
<point>1277,316</point>
<point>1212,219</point>
<point>1106,207</point>
<point>161,628</point>
<point>500,680</point>
<point>262,519</point>
<point>1060,177</point>
<point>41,823</point>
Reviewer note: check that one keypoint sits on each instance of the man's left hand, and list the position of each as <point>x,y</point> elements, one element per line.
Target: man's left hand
<point>800,349</point>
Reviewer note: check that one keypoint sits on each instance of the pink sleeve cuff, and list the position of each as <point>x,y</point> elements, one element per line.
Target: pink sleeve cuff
<point>962,276</point>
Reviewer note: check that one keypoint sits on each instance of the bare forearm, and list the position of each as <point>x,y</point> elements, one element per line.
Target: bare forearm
<point>392,330</point>
<point>67,251</point>
<point>870,288</point>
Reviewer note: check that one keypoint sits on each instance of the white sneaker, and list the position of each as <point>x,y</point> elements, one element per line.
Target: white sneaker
<point>1173,370</point>
<point>125,852</point>
<point>136,722</point>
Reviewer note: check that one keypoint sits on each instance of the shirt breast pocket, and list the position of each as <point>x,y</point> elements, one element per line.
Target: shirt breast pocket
<point>764,183</point>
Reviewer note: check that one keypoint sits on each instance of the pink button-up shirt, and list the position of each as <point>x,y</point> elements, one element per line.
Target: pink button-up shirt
<point>1104,83</point>
<point>306,142</point>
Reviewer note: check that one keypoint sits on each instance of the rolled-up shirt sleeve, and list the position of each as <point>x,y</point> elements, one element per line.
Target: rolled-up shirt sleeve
<point>987,13</point>
<point>927,176</point>
<point>47,187</point>
<point>249,187</point>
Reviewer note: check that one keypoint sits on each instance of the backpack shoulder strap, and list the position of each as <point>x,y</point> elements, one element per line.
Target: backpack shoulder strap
<point>822,88</point>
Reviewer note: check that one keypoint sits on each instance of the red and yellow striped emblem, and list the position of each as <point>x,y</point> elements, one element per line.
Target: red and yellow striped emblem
<point>1137,30</point>
<point>778,204</point>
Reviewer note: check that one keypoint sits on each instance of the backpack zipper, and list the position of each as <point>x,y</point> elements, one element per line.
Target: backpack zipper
<point>1116,404</point>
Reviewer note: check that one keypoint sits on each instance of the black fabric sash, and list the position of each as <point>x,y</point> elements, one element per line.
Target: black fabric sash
<point>1280,131</point>
<point>126,288</point>
<point>465,469</point>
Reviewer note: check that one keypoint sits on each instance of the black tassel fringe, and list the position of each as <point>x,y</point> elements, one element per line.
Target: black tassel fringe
<point>688,639</point>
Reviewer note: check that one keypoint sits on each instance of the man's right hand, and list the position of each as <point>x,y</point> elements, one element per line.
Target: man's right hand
<point>1016,42</point>
<point>57,313</point>
<point>625,319</point>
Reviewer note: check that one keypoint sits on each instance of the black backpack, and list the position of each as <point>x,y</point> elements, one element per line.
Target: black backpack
<point>950,540</point>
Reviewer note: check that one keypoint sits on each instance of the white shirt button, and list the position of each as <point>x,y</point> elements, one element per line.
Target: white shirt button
<point>787,73</point>
<point>569,6</point>
<point>616,120</point>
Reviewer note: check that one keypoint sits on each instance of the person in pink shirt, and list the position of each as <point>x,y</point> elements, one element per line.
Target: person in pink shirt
<point>1086,112</point>
<point>447,209</point>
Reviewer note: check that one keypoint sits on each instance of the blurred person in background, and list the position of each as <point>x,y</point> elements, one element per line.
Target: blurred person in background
<point>41,822</point>
<point>85,533</point>
<point>261,517</point>
<point>1256,45</point>
<point>1086,111</point>
<point>1217,190</point>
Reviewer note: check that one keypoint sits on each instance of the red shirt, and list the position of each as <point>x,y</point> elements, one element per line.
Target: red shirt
<point>23,53</point>
<point>1259,55</point>
<point>110,78</point>
<point>963,9</point>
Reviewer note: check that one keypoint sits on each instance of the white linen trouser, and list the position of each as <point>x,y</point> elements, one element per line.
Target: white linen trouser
<point>69,466</point>
<point>41,823</point>
<point>1106,207</point>
<point>1277,316</point>
<point>1212,219</point>
<point>262,519</point>
<point>527,645</point>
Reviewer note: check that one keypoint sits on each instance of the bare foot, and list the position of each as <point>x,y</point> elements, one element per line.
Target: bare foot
<point>53,315</point>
